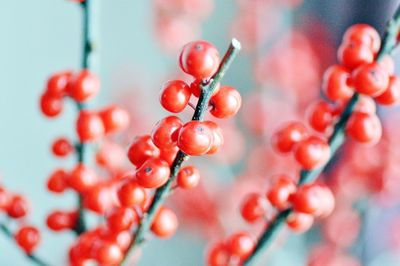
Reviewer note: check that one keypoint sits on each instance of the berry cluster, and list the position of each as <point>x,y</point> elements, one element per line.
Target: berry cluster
<point>17,208</point>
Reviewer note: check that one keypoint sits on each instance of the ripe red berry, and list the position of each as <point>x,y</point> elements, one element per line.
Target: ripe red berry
<point>392,93</point>
<point>165,223</point>
<point>285,138</point>
<point>218,255</point>
<point>83,86</point>
<point>199,59</point>
<point>131,193</point>
<point>195,138</point>
<point>313,152</point>
<point>121,219</point>
<point>254,207</point>
<point>142,149</point>
<point>62,147</point>
<point>365,104</point>
<point>364,127</point>
<point>321,116</point>
<point>57,182</point>
<point>280,192</point>
<point>188,177</point>
<point>18,207</point>
<point>299,222</point>
<point>313,199</point>
<point>370,79</point>
<point>89,126</point>
<point>114,119</point>
<point>226,102</point>
<point>175,95</point>
<point>365,34</point>
<point>153,173</point>
<point>51,106</point>
<point>99,199</point>
<point>336,85</point>
<point>240,244</point>
<point>61,220</point>
<point>27,237</point>
<point>107,253</point>
<point>57,83</point>
<point>353,54</point>
<point>82,178</point>
<point>169,155</point>
<point>218,138</point>
<point>165,133</point>
<point>5,199</point>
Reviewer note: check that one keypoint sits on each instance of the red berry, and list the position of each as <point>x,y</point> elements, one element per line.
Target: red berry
<point>27,237</point>
<point>57,182</point>
<point>240,244</point>
<point>121,219</point>
<point>199,59</point>
<point>336,83</point>
<point>299,222</point>
<point>218,138</point>
<point>280,192</point>
<point>226,102</point>
<point>285,138</point>
<point>61,220</point>
<point>89,126</point>
<point>165,133</point>
<point>82,178</point>
<point>188,177</point>
<point>353,54</point>
<point>313,199</point>
<point>195,138</point>
<point>131,194</point>
<point>313,152</point>
<point>196,90</point>
<point>254,207</point>
<point>175,95</point>
<point>321,116</point>
<point>83,86</point>
<point>364,127</point>
<point>169,155</point>
<point>365,34</point>
<point>165,223</point>
<point>57,83</point>
<point>62,147</point>
<point>114,119</point>
<point>365,104</point>
<point>98,199</point>
<point>370,79</point>
<point>142,149</point>
<point>5,199</point>
<point>18,207</point>
<point>392,93</point>
<point>153,173</point>
<point>387,64</point>
<point>108,254</point>
<point>51,106</point>
<point>218,255</point>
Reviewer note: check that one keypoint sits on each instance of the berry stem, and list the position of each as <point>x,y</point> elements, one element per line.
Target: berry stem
<point>207,89</point>
<point>34,258</point>
<point>337,139</point>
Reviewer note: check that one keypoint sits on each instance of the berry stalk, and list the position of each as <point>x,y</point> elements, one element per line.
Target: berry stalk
<point>207,89</point>
<point>337,139</point>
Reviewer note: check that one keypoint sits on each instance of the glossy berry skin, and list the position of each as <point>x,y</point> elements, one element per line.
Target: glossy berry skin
<point>165,223</point>
<point>336,85</point>
<point>57,83</point>
<point>175,95</point>
<point>312,152</point>
<point>370,79</point>
<point>51,106</point>
<point>365,104</point>
<point>169,155</point>
<point>321,116</point>
<point>108,253</point>
<point>83,86</point>
<point>313,199</point>
<point>153,173</point>
<point>353,54</point>
<point>254,207</point>
<point>391,95</point>
<point>18,207</point>
<point>199,59</point>
<point>121,219</point>
<point>89,126</point>
<point>365,34</point>
<point>131,193</point>
<point>59,220</point>
<point>114,119</point>
<point>365,128</point>
<point>218,138</point>
<point>98,199</point>
<point>62,147</point>
<point>188,177</point>
<point>195,138</point>
<point>142,149</point>
<point>240,244</point>
<point>280,192</point>
<point>285,138</point>
<point>57,182</point>
<point>166,131</point>
<point>82,178</point>
<point>299,222</point>
<point>27,237</point>
<point>226,102</point>
<point>218,255</point>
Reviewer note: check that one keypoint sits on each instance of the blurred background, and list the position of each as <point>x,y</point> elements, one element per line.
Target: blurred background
<point>287,44</point>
